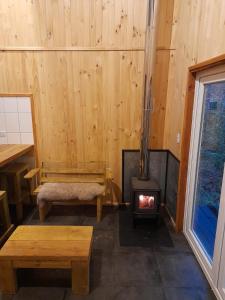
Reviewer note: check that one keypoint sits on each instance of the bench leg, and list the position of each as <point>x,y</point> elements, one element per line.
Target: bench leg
<point>18,197</point>
<point>80,277</point>
<point>8,282</point>
<point>43,211</point>
<point>99,208</point>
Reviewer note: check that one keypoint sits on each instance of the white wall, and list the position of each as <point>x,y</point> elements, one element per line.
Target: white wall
<point>15,120</point>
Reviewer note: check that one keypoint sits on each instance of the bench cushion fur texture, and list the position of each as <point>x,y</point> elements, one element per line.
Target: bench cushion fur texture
<point>68,191</point>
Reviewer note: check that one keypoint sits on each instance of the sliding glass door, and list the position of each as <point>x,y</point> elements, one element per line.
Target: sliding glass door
<point>205,197</point>
<point>210,165</point>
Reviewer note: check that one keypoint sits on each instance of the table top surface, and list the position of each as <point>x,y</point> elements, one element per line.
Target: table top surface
<point>48,243</point>
<point>10,152</point>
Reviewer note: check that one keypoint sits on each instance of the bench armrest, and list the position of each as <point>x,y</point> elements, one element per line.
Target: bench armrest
<point>33,178</point>
<point>32,173</point>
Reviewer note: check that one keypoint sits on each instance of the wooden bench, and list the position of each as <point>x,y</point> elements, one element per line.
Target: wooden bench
<point>63,247</point>
<point>88,174</point>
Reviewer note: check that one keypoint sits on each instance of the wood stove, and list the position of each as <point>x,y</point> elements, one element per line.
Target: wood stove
<point>145,197</point>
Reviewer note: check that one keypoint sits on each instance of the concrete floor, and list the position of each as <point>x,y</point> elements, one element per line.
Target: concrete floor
<point>119,273</point>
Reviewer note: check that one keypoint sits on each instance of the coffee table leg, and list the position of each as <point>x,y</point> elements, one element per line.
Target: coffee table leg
<point>8,282</point>
<point>80,277</point>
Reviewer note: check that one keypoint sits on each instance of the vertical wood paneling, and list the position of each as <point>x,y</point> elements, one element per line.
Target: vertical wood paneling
<point>160,83</point>
<point>164,24</point>
<point>197,34</point>
<point>160,71</point>
<point>87,104</point>
<point>50,23</point>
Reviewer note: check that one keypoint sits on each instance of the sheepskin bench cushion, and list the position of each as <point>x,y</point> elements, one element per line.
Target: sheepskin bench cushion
<point>68,191</point>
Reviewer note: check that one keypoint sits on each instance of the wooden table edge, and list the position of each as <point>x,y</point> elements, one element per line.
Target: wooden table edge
<point>29,147</point>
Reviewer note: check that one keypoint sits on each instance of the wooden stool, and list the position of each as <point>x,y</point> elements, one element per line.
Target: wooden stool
<point>14,172</point>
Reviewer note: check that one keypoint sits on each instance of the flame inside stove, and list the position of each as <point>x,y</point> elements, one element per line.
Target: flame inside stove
<point>146,202</point>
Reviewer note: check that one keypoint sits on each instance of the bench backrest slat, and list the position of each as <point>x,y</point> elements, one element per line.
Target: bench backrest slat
<point>72,179</point>
<point>83,172</point>
<point>74,171</point>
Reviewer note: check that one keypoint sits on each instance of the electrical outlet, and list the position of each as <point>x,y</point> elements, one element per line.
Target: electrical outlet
<point>2,133</point>
<point>178,138</point>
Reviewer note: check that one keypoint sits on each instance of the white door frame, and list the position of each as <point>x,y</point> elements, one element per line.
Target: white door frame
<point>211,269</point>
<point>220,239</point>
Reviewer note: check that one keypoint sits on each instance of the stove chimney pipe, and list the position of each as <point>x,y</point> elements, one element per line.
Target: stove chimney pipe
<point>147,98</point>
<point>144,154</point>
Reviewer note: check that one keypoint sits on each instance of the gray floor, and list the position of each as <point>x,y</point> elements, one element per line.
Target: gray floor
<point>118,272</point>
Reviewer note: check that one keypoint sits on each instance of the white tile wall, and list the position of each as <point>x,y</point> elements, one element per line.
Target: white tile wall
<point>12,122</point>
<point>13,138</point>
<point>10,104</point>
<point>2,122</point>
<point>3,140</point>
<point>27,138</point>
<point>25,122</point>
<point>2,105</point>
<point>24,105</point>
<point>15,120</point>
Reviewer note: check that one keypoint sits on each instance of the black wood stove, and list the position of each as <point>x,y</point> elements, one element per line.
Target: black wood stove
<point>145,197</point>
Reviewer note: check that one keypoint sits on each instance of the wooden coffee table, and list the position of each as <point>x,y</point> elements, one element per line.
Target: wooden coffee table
<point>66,247</point>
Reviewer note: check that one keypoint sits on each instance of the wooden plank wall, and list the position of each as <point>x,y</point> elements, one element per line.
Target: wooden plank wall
<point>66,23</point>
<point>197,34</point>
<point>163,52</point>
<point>83,61</point>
